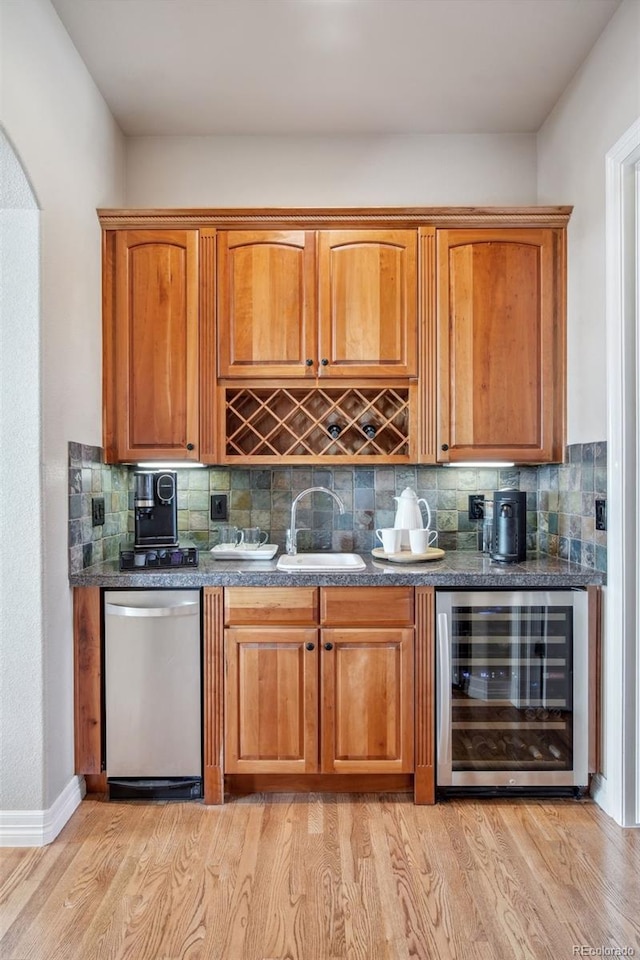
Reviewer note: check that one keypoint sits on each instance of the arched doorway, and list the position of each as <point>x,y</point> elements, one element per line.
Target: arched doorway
<point>21,616</point>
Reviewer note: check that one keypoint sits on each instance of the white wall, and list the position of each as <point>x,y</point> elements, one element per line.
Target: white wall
<point>376,171</point>
<point>21,717</point>
<point>73,155</point>
<point>599,105</point>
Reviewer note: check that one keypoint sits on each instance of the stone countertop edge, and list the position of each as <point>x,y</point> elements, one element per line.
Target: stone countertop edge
<point>458,569</point>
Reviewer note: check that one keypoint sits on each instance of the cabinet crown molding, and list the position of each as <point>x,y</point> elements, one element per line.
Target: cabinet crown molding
<point>319,217</point>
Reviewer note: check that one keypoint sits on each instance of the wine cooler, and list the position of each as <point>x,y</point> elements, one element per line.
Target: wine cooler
<point>512,691</point>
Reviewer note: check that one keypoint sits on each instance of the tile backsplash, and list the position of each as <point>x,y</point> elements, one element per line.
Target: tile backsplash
<point>89,477</point>
<point>560,503</point>
<point>566,506</point>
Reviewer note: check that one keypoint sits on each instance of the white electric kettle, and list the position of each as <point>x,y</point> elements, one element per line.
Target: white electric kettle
<point>409,515</point>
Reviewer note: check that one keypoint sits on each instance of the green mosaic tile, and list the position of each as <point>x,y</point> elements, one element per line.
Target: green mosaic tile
<point>240,499</point>
<point>281,479</point>
<point>385,479</point>
<point>240,479</point>
<point>199,500</point>
<point>406,476</point>
<point>261,518</point>
<point>446,520</point>
<point>219,480</point>
<point>198,520</point>
<point>447,479</point>
<point>467,480</point>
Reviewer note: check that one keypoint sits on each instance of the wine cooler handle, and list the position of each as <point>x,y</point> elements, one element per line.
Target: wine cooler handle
<point>444,698</point>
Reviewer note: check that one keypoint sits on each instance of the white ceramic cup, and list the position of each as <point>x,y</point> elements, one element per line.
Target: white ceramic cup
<point>421,540</point>
<point>254,537</point>
<point>230,536</point>
<point>391,539</point>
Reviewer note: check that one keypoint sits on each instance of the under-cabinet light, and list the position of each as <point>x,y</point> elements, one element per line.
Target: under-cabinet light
<point>499,464</point>
<point>169,465</point>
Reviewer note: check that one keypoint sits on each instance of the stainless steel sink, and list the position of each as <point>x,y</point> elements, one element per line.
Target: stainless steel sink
<point>317,562</point>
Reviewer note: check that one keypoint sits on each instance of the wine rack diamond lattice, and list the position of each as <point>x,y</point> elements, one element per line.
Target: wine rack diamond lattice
<point>338,423</point>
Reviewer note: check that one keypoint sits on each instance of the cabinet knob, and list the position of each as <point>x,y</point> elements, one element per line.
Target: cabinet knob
<point>445,446</point>
<point>190,446</point>
<point>309,363</point>
<point>324,362</point>
<point>328,646</point>
<point>310,646</point>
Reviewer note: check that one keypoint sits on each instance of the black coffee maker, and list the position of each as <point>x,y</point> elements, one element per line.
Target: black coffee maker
<point>509,526</point>
<point>155,509</point>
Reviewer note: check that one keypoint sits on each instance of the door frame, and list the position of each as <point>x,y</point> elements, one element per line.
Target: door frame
<point>617,788</point>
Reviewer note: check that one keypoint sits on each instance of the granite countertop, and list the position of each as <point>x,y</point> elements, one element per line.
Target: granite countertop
<point>458,569</point>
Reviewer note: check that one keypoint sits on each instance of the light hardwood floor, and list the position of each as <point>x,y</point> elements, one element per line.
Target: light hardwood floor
<point>324,878</point>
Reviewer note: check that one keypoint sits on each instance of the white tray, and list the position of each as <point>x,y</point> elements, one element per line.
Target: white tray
<point>266,551</point>
<point>405,556</point>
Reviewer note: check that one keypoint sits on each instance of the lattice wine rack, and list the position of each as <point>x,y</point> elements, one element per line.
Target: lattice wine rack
<point>341,424</point>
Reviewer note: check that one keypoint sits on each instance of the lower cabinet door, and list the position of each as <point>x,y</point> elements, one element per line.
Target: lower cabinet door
<point>271,700</point>
<point>366,704</point>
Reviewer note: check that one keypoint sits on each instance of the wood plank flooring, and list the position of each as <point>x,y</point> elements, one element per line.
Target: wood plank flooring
<point>325,877</point>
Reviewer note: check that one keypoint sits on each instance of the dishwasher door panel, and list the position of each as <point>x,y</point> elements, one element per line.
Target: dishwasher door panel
<point>152,683</point>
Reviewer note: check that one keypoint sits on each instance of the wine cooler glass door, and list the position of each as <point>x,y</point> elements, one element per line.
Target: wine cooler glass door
<point>512,687</point>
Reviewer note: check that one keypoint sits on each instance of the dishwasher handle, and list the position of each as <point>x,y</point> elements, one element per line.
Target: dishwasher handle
<point>188,609</point>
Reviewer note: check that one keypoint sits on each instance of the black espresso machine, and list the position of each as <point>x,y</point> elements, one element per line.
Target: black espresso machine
<point>155,509</point>
<point>155,518</point>
<point>509,539</point>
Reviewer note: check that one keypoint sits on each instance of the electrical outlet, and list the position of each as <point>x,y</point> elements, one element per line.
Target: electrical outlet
<point>219,507</point>
<point>601,514</point>
<point>97,511</point>
<point>476,506</point>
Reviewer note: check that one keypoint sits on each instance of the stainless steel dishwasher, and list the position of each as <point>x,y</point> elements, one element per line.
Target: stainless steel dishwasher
<point>153,694</point>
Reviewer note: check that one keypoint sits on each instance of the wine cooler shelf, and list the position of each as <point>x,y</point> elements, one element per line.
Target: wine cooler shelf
<point>494,735</point>
<point>487,750</point>
<point>343,424</point>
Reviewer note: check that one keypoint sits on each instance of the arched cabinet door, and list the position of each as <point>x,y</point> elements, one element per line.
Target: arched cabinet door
<point>501,344</point>
<point>266,304</point>
<point>362,323</point>
<point>368,303</point>
<point>153,346</point>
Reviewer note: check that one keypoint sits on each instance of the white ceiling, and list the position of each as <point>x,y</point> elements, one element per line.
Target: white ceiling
<point>197,67</point>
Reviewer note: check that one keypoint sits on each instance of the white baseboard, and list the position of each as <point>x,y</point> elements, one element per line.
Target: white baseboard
<point>36,828</point>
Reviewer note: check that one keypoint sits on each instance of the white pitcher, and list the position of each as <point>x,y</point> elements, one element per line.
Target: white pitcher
<point>409,515</point>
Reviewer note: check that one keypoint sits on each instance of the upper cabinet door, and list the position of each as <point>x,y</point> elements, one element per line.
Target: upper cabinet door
<point>367,303</point>
<point>266,304</point>
<point>154,344</point>
<point>501,344</point>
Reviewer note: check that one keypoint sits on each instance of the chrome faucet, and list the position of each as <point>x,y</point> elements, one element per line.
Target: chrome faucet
<point>292,532</point>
